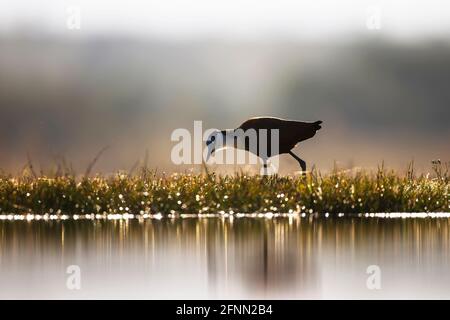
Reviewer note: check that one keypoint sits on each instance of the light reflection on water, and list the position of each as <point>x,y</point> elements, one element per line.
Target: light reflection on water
<point>286,257</point>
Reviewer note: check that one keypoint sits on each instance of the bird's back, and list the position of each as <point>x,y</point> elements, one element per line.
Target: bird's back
<point>291,132</point>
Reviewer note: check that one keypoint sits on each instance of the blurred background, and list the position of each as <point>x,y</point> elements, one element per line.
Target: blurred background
<point>81,75</point>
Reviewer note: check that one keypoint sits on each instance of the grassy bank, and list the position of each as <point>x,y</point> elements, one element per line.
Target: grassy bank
<point>147,192</point>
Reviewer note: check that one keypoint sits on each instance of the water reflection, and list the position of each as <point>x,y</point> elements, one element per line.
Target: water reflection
<point>286,257</point>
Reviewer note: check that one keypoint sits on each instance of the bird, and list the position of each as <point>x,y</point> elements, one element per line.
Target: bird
<point>290,133</point>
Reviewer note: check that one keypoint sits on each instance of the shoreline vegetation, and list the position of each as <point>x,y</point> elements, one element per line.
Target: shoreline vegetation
<point>147,192</point>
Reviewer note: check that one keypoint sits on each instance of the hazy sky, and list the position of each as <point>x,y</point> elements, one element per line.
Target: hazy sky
<point>231,18</point>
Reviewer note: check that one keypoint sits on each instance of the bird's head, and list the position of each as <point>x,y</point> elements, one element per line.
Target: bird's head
<point>214,142</point>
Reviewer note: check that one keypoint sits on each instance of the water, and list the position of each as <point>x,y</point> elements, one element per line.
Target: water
<point>285,257</point>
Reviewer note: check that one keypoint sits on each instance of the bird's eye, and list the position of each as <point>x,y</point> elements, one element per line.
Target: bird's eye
<point>213,138</point>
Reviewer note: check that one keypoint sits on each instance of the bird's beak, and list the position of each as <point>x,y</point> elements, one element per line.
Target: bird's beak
<point>211,150</point>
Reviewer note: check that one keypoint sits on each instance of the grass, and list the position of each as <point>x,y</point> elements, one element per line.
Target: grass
<point>147,192</point>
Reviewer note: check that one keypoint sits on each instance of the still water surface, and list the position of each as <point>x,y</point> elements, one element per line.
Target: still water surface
<point>281,258</point>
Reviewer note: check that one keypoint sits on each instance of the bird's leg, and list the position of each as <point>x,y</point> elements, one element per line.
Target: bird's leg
<point>265,167</point>
<point>300,161</point>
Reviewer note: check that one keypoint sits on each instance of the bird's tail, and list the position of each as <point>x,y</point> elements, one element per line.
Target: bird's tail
<point>317,125</point>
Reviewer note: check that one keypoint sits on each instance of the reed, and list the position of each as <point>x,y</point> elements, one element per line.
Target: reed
<point>146,192</point>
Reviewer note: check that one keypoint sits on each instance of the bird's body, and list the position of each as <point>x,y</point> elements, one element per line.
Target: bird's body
<point>290,133</point>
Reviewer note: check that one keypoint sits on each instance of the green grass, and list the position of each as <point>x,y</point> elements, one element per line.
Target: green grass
<point>147,192</point>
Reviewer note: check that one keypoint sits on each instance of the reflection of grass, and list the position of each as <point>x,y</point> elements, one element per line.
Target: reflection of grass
<point>382,191</point>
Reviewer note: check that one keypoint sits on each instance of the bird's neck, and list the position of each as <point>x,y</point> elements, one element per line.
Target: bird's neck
<point>229,138</point>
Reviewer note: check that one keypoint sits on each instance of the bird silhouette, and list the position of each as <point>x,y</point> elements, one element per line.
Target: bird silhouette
<point>290,133</point>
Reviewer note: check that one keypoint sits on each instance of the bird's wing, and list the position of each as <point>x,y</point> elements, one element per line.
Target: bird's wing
<point>290,132</point>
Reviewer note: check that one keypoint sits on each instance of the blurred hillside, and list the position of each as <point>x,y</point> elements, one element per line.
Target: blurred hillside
<point>379,99</point>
